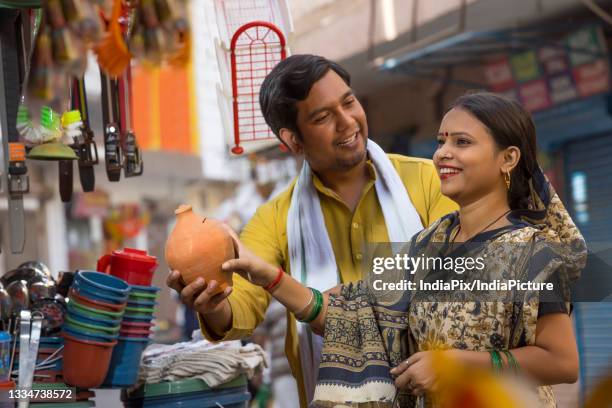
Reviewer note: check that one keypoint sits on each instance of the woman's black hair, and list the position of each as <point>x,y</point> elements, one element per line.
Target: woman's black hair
<point>288,83</point>
<point>510,125</point>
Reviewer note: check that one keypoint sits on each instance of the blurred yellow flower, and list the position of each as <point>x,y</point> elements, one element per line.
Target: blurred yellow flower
<point>460,386</point>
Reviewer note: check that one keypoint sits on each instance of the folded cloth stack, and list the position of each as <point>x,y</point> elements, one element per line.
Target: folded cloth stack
<point>214,364</point>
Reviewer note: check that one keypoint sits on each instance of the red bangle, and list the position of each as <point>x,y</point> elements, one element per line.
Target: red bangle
<point>276,280</point>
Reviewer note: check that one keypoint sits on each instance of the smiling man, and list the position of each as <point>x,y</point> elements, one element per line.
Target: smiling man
<point>349,193</point>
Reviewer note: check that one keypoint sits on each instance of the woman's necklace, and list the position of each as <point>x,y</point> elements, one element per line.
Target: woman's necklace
<point>479,232</point>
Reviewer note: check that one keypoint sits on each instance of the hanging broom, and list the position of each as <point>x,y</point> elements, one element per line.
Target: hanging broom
<point>113,54</point>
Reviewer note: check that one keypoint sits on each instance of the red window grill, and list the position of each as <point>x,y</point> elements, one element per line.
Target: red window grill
<point>256,47</point>
<point>233,14</point>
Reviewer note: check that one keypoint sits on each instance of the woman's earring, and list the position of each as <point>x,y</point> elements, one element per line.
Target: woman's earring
<point>507,179</point>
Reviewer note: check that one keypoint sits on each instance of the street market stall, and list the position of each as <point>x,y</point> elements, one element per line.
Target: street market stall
<point>68,337</point>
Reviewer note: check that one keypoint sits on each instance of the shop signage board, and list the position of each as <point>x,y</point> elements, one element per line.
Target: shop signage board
<point>592,78</point>
<point>525,66</point>
<point>551,75</point>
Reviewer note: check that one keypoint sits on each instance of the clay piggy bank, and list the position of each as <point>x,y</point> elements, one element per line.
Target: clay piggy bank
<point>197,247</point>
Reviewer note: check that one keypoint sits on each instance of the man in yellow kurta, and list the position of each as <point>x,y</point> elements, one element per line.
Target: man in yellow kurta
<point>308,103</point>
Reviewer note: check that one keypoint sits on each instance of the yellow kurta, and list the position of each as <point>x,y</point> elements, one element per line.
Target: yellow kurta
<point>266,236</point>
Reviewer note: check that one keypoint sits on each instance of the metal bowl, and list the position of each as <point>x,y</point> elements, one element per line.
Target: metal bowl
<point>45,289</point>
<point>18,291</point>
<point>30,272</point>
<point>37,266</point>
<point>6,305</point>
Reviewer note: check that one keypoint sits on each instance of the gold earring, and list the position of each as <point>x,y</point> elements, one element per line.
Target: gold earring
<point>507,179</point>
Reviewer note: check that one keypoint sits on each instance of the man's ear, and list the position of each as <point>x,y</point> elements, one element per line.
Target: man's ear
<point>512,155</point>
<point>291,139</point>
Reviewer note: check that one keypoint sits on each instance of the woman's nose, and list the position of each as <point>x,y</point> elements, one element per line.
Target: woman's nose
<point>443,152</point>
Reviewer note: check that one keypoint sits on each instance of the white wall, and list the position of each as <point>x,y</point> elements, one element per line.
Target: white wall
<point>216,161</point>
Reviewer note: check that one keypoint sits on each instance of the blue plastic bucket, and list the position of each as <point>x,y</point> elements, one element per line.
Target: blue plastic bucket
<point>125,361</point>
<point>225,398</point>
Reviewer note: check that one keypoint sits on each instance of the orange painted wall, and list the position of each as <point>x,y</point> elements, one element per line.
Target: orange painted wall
<point>163,106</point>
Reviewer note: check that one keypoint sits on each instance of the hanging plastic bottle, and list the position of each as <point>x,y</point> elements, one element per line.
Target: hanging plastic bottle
<point>71,127</point>
<point>49,125</point>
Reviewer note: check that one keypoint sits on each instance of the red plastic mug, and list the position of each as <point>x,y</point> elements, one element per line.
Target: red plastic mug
<point>132,265</point>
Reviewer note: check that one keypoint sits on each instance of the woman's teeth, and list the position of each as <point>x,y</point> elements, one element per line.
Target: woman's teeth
<point>447,170</point>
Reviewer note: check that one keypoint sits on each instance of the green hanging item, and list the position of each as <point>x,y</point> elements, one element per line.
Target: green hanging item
<point>50,131</point>
<point>52,151</point>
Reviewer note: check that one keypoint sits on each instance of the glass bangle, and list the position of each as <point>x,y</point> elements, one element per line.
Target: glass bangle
<point>305,308</point>
<point>512,361</point>
<point>496,361</point>
<point>316,309</point>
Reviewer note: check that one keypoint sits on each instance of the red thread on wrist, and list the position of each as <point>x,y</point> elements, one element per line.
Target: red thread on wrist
<point>276,280</point>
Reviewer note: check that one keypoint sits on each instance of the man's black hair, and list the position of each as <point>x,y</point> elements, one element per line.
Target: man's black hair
<point>288,83</point>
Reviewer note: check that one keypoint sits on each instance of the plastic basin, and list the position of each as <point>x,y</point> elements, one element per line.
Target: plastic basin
<point>185,386</point>
<point>86,362</point>
<point>193,392</point>
<point>226,399</point>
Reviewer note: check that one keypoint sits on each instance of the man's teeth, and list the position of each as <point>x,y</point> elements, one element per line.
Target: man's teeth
<point>349,140</point>
<point>446,170</point>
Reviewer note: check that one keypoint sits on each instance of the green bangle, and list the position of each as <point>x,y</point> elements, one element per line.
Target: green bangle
<point>512,361</point>
<point>496,361</point>
<point>316,309</point>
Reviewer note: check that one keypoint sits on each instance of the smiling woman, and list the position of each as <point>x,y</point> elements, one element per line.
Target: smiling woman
<point>484,140</point>
<point>473,140</point>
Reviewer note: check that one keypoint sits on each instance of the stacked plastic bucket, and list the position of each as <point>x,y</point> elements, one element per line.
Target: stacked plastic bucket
<point>135,267</point>
<point>189,393</point>
<point>136,328</point>
<point>97,302</point>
